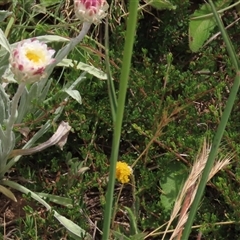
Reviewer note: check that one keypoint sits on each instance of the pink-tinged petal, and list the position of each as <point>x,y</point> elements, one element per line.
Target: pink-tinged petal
<point>90,10</point>
<point>88,5</point>
<point>20,67</point>
<point>15,53</point>
<point>39,71</point>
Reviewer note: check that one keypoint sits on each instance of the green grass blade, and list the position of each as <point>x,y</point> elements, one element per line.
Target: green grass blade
<point>133,222</point>
<point>127,55</point>
<point>26,191</point>
<point>111,88</point>
<point>230,48</point>
<point>220,129</point>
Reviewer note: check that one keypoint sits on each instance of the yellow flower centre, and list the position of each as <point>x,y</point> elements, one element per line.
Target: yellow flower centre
<point>34,56</point>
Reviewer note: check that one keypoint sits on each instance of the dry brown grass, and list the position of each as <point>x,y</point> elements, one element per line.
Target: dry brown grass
<point>187,195</point>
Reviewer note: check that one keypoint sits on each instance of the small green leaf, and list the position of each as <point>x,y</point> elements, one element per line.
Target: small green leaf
<point>200,29</point>
<point>85,67</point>
<point>202,23</point>
<point>92,70</point>
<point>161,4</point>
<point>52,38</point>
<point>76,231</point>
<point>63,201</point>
<point>171,183</point>
<point>4,42</point>
<point>7,193</point>
<point>4,14</point>
<point>74,94</point>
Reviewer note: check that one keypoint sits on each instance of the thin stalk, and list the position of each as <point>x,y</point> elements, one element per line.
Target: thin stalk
<point>13,113</point>
<point>111,88</point>
<point>71,45</point>
<point>220,129</point>
<point>127,55</point>
<point>231,51</point>
<point>116,206</point>
<point>62,53</point>
<point>14,106</point>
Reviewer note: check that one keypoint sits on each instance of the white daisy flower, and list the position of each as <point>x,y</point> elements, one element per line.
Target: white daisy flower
<point>29,60</point>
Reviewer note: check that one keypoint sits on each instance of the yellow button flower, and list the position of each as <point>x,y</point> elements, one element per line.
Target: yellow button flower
<point>123,172</point>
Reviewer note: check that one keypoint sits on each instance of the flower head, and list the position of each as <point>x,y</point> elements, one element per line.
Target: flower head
<point>123,171</point>
<point>90,10</point>
<point>29,60</point>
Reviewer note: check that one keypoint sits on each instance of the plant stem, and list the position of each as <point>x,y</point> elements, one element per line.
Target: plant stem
<point>111,88</point>
<point>13,114</point>
<point>62,53</point>
<point>127,55</point>
<point>69,47</point>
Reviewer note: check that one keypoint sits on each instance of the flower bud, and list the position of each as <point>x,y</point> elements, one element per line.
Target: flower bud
<point>29,60</point>
<point>91,11</point>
